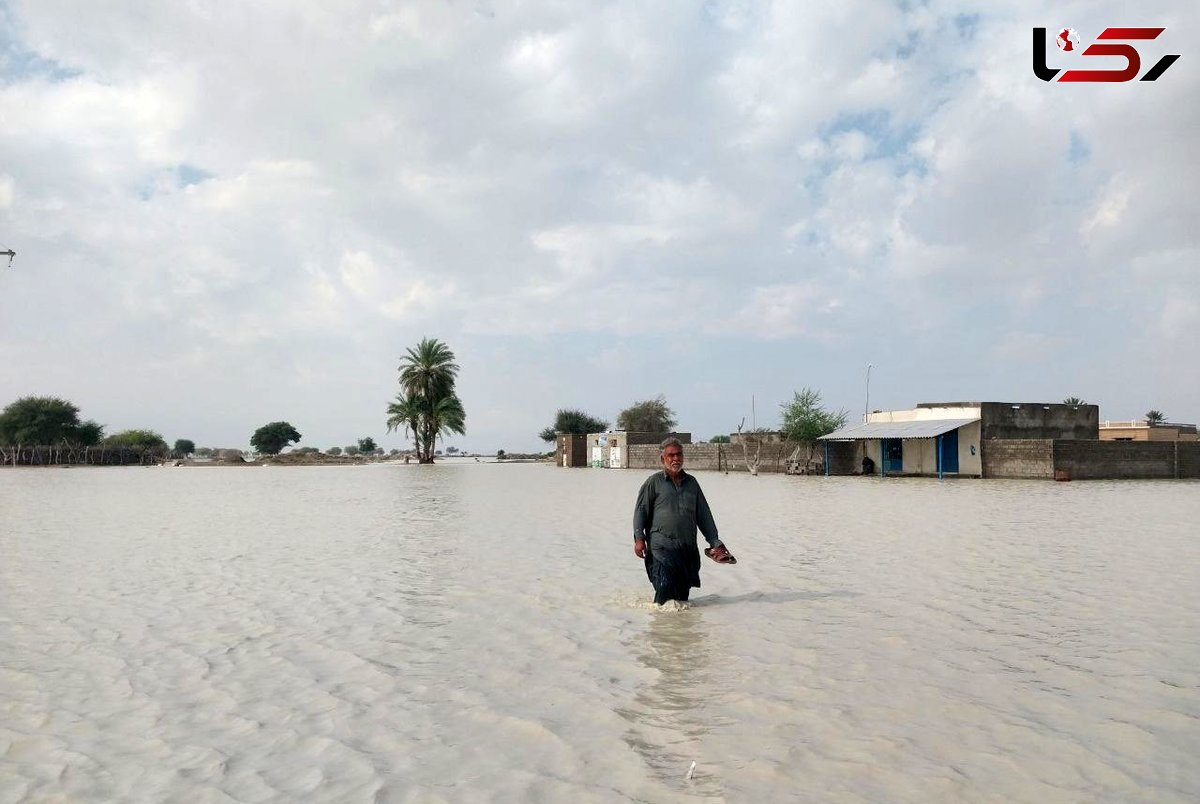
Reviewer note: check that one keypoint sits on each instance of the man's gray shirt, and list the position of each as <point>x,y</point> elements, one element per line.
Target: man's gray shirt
<point>666,511</point>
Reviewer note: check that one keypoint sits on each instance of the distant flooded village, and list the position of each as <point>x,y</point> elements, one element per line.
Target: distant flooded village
<point>1018,440</point>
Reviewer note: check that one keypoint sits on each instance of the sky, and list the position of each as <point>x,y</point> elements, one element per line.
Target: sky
<point>227,214</point>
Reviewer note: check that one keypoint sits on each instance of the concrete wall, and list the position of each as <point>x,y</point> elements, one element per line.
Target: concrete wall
<point>1188,459</point>
<point>1018,458</point>
<point>928,411</point>
<point>970,458</point>
<point>1091,460</point>
<point>1027,420</point>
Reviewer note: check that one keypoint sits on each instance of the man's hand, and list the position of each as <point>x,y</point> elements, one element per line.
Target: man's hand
<point>639,548</point>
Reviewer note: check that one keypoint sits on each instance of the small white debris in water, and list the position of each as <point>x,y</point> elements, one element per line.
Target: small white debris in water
<point>691,770</point>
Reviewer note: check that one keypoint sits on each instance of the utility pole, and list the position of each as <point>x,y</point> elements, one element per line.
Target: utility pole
<point>10,254</point>
<point>867,403</point>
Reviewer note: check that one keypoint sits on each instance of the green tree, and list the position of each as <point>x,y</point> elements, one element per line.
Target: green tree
<point>270,439</point>
<point>334,451</point>
<point>1073,401</point>
<point>184,447</point>
<point>427,406</point>
<point>351,450</point>
<point>448,417</point>
<point>367,446</point>
<point>804,420</point>
<point>89,433</point>
<point>205,452</point>
<point>405,413</point>
<point>46,420</point>
<point>138,439</point>
<point>1155,417</point>
<point>647,416</point>
<point>451,450</point>
<point>573,421</point>
<point>719,439</point>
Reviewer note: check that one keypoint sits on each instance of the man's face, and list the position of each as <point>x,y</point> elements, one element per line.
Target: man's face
<point>672,459</point>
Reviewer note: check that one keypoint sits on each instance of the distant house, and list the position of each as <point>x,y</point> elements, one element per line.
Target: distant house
<point>570,449</point>
<point>952,438</point>
<point>1144,431</point>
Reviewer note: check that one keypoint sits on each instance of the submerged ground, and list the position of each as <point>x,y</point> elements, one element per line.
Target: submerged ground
<point>481,631</point>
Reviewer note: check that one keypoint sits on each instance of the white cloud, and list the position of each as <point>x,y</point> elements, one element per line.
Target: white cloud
<point>1028,348</point>
<point>317,186</point>
<point>1110,207</point>
<point>785,311</point>
<point>1180,319</point>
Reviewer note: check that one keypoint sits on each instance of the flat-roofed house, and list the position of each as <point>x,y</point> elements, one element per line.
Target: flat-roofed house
<point>950,438</point>
<point>1144,431</point>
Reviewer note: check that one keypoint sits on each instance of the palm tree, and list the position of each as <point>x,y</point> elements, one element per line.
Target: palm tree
<point>1154,417</point>
<point>447,416</point>
<point>427,406</point>
<point>429,370</point>
<point>405,412</point>
<point>1073,401</point>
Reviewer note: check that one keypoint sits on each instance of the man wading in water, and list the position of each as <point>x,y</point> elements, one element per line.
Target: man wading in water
<point>670,507</point>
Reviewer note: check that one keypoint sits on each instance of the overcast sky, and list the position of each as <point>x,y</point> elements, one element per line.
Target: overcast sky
<point>232,213</point>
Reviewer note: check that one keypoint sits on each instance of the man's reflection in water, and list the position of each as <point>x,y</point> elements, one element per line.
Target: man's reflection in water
<point>670,716</point>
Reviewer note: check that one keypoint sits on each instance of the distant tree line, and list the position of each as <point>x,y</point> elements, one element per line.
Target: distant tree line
<point>40,430</point>
<point>47,430</point>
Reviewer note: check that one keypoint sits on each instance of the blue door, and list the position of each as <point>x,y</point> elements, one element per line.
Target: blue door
<point>948,452</point>
<point>893,455</point>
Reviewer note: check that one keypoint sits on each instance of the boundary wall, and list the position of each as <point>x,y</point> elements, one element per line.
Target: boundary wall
<point>1091,460</point>
<point>1031,458</point>
<point>731,458</point>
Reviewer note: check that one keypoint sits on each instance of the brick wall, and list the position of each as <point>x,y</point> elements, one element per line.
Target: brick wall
<point>1094,460</point>
<point>1091,460</point>
<point>729,457</point>
<point>1018,458</point>
<point>714,457</point>
<point>1189,458</point>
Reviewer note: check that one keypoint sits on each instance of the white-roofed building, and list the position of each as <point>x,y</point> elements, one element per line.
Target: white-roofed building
<point>951,438</point>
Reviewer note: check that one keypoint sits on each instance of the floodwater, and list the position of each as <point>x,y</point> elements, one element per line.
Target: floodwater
<point>476,632</point>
